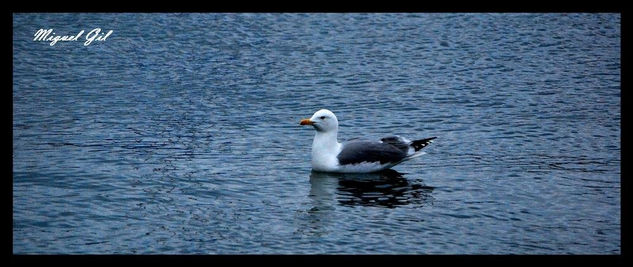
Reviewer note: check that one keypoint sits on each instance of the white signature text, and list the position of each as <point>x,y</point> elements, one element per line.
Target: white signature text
<point>49,36</point>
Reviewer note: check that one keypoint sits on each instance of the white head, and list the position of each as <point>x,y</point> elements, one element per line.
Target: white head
<point>323,121</point>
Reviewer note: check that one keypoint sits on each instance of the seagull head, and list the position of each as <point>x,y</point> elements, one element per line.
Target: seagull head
<point>322,121</point>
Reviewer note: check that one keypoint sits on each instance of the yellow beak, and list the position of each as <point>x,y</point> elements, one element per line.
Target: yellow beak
<point>306,122</point>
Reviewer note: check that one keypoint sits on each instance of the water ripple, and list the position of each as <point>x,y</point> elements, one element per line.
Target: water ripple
<point>180,135</point>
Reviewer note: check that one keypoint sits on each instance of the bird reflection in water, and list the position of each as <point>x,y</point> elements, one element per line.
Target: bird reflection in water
<point>388,188</point>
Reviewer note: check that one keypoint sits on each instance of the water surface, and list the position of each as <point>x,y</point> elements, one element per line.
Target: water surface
<point>179,134</point>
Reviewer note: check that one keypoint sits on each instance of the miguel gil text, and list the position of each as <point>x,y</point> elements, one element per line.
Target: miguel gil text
<point>49,36</point>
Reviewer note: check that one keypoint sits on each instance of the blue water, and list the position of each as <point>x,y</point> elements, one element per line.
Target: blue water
<point>178,134</point>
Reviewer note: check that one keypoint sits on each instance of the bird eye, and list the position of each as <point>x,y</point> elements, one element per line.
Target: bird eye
<point>322,117</point>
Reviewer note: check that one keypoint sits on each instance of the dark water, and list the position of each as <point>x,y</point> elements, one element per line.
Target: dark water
<point>179,133</point>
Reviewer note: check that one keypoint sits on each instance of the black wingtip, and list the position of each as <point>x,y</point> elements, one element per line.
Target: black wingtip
<point>419,144</point>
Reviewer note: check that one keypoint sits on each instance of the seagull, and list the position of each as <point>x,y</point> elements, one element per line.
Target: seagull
<point>357,155</point>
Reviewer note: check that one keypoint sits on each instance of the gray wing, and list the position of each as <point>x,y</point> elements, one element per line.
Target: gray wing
<point>397,141</point>
<point>369,151</point>
<point>404,144</point>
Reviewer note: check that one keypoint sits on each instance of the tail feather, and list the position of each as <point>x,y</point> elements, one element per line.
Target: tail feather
<point>419,144</point>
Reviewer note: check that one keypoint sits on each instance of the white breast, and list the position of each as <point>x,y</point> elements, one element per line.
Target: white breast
<point>324,159</point>
<point>325,149</point>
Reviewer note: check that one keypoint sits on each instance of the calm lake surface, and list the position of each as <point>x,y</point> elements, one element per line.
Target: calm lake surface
<point>179,134</point>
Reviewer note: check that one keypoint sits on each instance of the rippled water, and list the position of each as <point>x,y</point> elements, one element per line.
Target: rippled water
<point>179,134</point>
